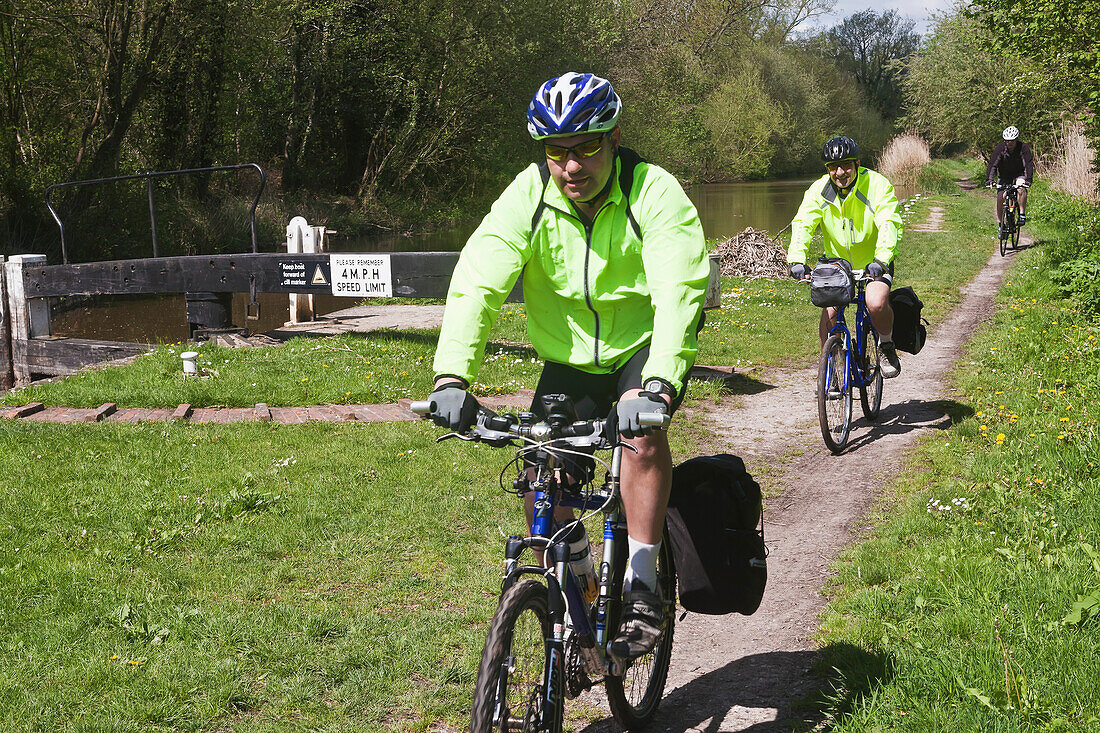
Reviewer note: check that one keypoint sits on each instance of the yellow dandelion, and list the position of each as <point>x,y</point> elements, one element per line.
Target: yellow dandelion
<point>1000,438</point>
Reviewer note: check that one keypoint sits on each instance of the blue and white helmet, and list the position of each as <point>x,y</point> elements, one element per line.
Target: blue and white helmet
<point>572,104</point>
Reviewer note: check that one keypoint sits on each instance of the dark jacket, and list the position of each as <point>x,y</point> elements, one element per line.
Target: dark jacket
<point>1010,165</point>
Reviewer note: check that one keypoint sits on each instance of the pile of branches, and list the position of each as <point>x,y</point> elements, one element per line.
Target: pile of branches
<point>752,254</point>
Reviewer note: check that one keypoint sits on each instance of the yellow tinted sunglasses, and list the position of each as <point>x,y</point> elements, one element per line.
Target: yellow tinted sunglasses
<point>582,150</point>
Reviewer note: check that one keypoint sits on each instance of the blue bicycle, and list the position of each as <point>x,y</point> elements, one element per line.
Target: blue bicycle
<point>551,634</point>
<point>847,364</point>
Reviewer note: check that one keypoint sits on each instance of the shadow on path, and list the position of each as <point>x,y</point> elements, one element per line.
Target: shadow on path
<point>905,417</point>
<point>765,685</point>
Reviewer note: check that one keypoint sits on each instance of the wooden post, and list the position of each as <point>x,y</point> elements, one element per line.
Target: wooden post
<point>7,377</point>
<point>29,317</point>
<point>713,298</point>
<point>301,238</point>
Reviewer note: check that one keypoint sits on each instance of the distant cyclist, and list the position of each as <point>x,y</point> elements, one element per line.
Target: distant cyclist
<point>857,211</point>
<point>1013,163</point>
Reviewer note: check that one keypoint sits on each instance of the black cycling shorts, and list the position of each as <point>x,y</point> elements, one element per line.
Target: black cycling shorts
<point>593,394</point>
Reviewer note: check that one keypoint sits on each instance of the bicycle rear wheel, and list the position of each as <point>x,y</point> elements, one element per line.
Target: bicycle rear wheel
<point>834,398</point>
<point>508,695</point>
<point>635,695</point>
<point>870,396</point>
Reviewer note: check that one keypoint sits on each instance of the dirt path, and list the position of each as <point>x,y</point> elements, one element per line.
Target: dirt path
<point>737,673</point>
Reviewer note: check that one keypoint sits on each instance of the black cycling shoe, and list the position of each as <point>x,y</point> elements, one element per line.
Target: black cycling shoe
<point>1020,222</point>
<point>643,616</point>
<point>890,364</point>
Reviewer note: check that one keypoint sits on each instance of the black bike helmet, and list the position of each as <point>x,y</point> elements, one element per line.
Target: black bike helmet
<point>840,148</point>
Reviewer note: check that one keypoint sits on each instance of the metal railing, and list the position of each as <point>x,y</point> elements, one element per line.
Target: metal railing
<point>149,176</point>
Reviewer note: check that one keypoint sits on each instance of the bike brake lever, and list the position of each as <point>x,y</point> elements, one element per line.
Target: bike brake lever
<point>460,436</point>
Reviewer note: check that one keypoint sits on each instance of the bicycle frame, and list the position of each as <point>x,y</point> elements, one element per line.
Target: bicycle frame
<point>1010,193</point>
<point>568,600</point>
<point>854,376</point>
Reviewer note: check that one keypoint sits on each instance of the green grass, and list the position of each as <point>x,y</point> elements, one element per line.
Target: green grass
<point>254,578</point>
<point>976,603</point>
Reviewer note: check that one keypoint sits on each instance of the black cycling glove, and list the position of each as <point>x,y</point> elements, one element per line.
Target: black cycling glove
<point>627,412</point>
<point>453,407</point>
<point>799,271</point>
<point>875,269</point>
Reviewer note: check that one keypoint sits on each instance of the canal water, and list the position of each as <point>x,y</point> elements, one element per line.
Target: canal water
<point>724,209</point>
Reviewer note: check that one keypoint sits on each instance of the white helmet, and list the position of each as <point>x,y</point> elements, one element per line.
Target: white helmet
<point>1010,133</point>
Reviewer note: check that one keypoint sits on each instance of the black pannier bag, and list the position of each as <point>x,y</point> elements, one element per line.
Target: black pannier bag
<point>832,283</point>
<point>909,328</point>
<point>715,524</point>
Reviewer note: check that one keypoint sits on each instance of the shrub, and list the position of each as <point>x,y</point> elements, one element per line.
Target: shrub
<point>904,158</point>
<point>1074,259</point>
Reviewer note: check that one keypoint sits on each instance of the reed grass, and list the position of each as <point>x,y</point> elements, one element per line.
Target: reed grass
<point>1070,167</point>
<point>903,159</point>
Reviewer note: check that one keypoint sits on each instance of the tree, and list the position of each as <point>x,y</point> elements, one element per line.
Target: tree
<point>961,92</point>
<point>873,48</point>
<point>1054,34</point>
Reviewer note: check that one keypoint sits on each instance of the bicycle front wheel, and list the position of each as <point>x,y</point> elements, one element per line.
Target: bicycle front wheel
<point>1016,236</point>
<point>635,695</point>
<point>508,695</point>
<point>870,395</point>
<point>834,394</point>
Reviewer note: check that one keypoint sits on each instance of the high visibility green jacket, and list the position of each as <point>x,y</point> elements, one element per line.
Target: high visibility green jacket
<point>864,226</point>
<point>594,295</point>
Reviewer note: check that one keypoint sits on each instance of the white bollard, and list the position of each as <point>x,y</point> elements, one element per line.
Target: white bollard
<point>190,365</point>
<point>301,238</point>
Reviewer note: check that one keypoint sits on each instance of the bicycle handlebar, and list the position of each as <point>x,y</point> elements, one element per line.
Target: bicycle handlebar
<point>493,428</point>
<point>858,275</point>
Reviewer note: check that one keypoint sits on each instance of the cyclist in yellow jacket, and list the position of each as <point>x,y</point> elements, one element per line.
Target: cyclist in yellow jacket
<point>857,211</point>
<point>613,285</point>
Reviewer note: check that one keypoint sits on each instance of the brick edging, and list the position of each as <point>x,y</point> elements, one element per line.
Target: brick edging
<point>112,413</point>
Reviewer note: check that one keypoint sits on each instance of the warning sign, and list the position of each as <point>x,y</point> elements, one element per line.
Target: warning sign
<point>293,274</point>
<point>361,276</point>
<point>304,276</point>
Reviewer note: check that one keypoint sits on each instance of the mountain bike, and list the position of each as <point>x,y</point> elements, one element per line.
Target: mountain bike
<point>847,364</point>
<point>1009,230</point>
<point>546,641</point>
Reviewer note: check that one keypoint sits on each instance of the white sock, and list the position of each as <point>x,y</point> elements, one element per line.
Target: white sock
<point>642,564</point>
<point>886,338</point>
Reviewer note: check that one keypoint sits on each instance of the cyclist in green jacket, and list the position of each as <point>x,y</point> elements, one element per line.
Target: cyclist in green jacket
<point>614,289</point>
<point>857,211</point>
